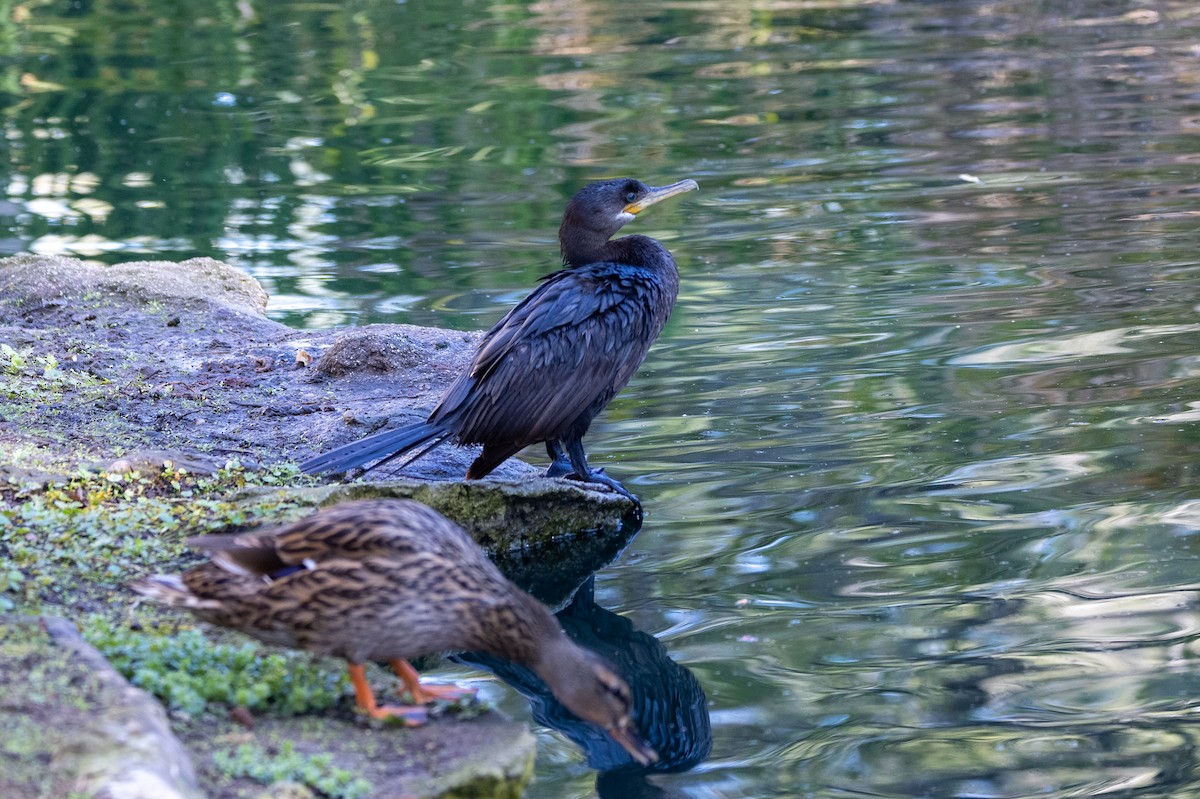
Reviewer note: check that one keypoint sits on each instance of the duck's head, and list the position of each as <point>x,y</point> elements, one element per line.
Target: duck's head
<point>593,690</point>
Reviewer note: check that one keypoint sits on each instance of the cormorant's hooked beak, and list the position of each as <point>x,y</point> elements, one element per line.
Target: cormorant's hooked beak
<point>626,736</point>
<point>658,194</point>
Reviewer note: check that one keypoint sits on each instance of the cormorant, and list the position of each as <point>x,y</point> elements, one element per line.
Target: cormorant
<point>544,371</point>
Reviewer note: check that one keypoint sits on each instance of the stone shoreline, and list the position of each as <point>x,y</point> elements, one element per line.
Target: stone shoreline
<point>162,368</point>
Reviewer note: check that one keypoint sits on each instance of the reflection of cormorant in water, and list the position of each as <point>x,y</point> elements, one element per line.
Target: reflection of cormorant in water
<point>670,708</point>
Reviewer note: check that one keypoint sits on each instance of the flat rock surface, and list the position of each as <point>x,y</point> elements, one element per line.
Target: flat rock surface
<point>487,757</point>
<point>179,356</point>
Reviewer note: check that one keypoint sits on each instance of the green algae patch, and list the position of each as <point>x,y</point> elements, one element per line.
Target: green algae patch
<point>289,766</point>
<point>77,542</point>
<point>36,378</point>
<point>189,673</point>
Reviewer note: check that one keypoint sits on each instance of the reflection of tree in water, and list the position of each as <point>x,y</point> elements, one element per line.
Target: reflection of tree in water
<point>268,123</point>
<point>670,707</point>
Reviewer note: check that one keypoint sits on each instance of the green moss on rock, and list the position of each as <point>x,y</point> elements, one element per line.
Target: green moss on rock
<point>107,738</point>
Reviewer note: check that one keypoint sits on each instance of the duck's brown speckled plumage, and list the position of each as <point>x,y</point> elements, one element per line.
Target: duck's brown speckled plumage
<point>387,580</point>
<point>372,581</point>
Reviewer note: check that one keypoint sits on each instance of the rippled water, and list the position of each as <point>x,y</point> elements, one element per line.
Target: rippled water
<point>918,447</point>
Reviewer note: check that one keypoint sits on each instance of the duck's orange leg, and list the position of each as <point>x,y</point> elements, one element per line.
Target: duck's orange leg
<point>424,694</point>
<point>364,698</point>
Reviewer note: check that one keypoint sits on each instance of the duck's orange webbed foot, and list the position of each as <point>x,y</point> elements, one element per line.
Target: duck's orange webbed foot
<point>423,694</point>
<point>409,715</point>
<point>364,699</point>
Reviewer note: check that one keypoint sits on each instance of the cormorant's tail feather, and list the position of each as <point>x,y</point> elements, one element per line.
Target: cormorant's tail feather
<point>387,444</point>
<point>438,440</point>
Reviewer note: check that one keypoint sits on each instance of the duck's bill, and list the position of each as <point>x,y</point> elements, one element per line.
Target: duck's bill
<point>638,749</point>
<point>659,193</point>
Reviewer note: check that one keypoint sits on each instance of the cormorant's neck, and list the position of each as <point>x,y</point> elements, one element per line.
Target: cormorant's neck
<point>581,250</point>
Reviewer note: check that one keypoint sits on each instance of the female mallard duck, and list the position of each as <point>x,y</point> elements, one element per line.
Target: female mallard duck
<point>388,580</point>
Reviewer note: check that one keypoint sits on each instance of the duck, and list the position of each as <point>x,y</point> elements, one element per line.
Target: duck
<point>390,580</point>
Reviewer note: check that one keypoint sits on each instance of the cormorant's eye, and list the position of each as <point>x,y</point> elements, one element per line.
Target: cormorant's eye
<point>631,196</point>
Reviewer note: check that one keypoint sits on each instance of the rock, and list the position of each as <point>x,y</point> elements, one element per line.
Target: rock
<point>502,516</point>
<point>77,728</point>
<point>53,279</point>
<point>134,365</point>
<point>154,461</point>
<point>494,763</point>
<point>23,478</point>
<point>74,727</point>
<point>487,757</point>
<point>388,349</point>
<point>111,373</point>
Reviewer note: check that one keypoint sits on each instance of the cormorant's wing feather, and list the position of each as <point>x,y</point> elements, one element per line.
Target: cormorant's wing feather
<point>564,352</point>
<point>567,299</point>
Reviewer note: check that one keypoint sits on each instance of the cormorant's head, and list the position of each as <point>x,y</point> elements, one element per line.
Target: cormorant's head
<point>599,210</point>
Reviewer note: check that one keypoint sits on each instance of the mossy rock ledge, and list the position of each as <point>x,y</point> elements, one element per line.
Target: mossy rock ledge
<point>161,368</point>
<point>74,727</point>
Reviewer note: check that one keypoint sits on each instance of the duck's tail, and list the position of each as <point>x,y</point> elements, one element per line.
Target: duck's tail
<point>382,447</point>
<point>170,590</point>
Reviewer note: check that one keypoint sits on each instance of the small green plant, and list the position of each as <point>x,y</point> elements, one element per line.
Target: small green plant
<point>10,581</point>
<point>21,377</point>
<point>97,531</point>
<point>188,672</point>
<point>13,361</point>
<point>315,771</point>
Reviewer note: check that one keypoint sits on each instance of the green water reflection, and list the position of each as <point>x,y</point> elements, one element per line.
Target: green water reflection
<point>918,448</point>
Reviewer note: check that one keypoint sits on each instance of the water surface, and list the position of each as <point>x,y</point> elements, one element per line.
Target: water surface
<point>918,446</point>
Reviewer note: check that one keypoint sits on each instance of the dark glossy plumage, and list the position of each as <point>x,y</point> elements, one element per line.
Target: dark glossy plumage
<point>545,370</point>
<point>387,580</point>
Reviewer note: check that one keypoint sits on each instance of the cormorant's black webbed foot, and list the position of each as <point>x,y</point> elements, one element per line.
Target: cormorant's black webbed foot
<point>561,466</point>
<point>599,477</point>
<point>584,473</point>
